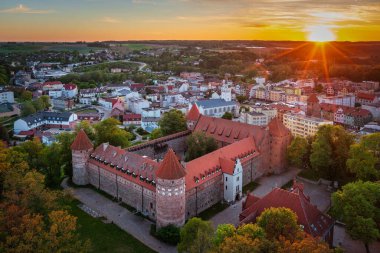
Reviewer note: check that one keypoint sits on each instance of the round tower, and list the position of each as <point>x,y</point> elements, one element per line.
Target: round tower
<point>170,192</point>
<point>80,150</point>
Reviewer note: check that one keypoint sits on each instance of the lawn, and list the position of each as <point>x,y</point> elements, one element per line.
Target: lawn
<point>35,47</point>
<point>250,187</point>
<point>105,237</point>
<point>136,46</point>
<point>212,211</point>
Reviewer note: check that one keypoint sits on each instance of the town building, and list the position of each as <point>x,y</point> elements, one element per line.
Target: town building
<point>131,119</point>
<point>153,178</point>
<point>366,98</point>
<point>254,118</point>
<point>40,120</point>
<point>312,221</point>
<point>346,100</point>
<point>303,126</point>
<point>215,107</point>
<point>6,97</point>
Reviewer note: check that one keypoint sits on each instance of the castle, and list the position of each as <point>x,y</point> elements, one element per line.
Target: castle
<point>153,178</point>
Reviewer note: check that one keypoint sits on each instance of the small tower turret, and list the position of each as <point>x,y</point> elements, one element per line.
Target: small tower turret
<point>192,117</point>
<point>81,149</point>
<point>170,192</point>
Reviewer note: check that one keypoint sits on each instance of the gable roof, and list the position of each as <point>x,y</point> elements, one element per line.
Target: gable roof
<point>170,168</point>
<point>277,128</point>
<point>211,103</point>
<point>193,114</point>
<point>313,98</point>
<point>314,221</point>
<point>81,142</point>
<point>229,131</point>
<point>222,160</point>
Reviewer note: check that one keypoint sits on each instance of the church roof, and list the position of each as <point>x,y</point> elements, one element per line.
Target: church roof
<point>314,221</point>
<point>170,168</point>
<point>193,113</point>
<point>277,128</point>
<point>313,98</point>
<point>81,142</point>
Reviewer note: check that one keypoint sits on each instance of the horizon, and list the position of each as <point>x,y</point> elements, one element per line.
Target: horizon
<point>142,20</point>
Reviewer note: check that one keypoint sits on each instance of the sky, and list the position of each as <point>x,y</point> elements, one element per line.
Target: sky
<point>98,20</point>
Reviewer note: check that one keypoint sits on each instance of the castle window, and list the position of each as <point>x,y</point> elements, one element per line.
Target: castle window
<point>226,179</point>
<point>226,187</point>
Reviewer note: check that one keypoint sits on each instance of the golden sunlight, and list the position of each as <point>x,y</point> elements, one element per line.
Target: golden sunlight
<point>320,33</point>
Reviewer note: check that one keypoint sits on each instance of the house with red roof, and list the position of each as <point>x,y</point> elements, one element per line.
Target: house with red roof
<point>310,219</point>
<point>366,98</point>
<point>153,177</point>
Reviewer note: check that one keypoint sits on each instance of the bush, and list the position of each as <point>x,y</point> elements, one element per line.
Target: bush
<point>141,131</point>
<point>168,234</point>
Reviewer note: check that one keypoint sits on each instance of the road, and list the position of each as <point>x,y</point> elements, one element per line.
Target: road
<point>137,226</point>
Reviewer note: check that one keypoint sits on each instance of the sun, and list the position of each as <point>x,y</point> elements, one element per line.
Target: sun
<point>320,33</point>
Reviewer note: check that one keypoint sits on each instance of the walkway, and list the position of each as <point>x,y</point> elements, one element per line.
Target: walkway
<point>231,214</point>
<point>132,224</point>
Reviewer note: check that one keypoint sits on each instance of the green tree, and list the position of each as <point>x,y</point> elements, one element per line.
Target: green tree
<point>32,149</point>
<point>251,230</point>
<point>38,104</point>
<point>4,133</point>
<point>196,236</point>
<point>357,206</point>
<point>362,163</point>
<point>297,152</point>
<point>87,128</point>
<point>27,108</point>
<point>172,122</point>
<point>169,234</point>
<point>108,131</point>
<point>52,165</point>
<point>65,140</point>
<point>46,101</point>
<point>26,95</point>
<point>222,232</point>
<point>241,98</point>
<point>227,115</point>
<point>279,222</point>
<point>199,144</point>
<point>156,133</point>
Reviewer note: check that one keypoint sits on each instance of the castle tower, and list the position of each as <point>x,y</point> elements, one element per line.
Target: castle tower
<point>170,192</point>
<point>81,149</point>
<point>280,138</point>
<point>192,117</point>
<point>313,107</point>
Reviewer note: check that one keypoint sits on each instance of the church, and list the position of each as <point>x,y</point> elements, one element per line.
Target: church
<point>154,179</point>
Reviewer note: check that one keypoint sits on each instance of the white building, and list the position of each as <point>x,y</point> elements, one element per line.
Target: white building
<point>346,100</point>
<point>48,119</point>
<point>233,180</point>
<point>70,90</point>
<point>254,118</point>
<point>216,107</point>
<point>7,97</point>
<point>136,105</point>
<point>150,118</point>
<point>303,126</point>
<point>55,93</point>
<point>226,92</point>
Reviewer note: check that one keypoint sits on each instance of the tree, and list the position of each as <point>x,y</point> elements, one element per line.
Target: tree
<point>196,236</point>
<point>26,95</point>
<point>172,122</point>
<point>65,140</point>
<point>244,244</point>
<point>32,149</point>
<point>306,244</point>
<point>251,230</point>
<point>27,108</point>
<point>51,164</point>
<point>297,152</point>
<point>241,98</point>
<point>169,234</point>
<point>227,115</point>
<point>357,206</point>
<point>108,131</point>
<point>199,144</point>
<point>362,163</point>
<point>87,128</point>
<point>38,104</point>
<point>156,133</point>
<point>222,232</point>
<point>278,222</point>
<point>4,133</point>
<point>45,100</point>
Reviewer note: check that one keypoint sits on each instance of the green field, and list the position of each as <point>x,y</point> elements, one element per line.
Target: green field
<point>107,66</point>
<point>136,46</point>
<point>105,237</point>
<point>36,47</point>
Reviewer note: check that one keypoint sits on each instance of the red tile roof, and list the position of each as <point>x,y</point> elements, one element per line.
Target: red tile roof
<point>170,167</point>
<point>81,142</point>
<point>366,96</point>
<point>313,98</point>
<point>229,131</point>
<point>194,113</point>
<point>132,117</point>
<point>211,165</point>
<point>314,221</point>
<point>277,128</point>
<point>69,86</point>
<point>52,83</point>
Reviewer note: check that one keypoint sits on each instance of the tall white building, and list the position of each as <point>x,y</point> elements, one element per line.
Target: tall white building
<point>226,91</point>
<point>7,97</point>
<point>303,126</point>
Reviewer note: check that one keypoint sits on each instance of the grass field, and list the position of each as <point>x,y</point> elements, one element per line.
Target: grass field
<point>35,47</point>
<point>137,46</point>
<point>210,212</point>
<point>105,237</point>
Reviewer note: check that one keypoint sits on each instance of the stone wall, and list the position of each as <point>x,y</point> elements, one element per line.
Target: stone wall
<point>79,160</point>
<point>134,195</point>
